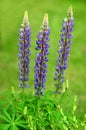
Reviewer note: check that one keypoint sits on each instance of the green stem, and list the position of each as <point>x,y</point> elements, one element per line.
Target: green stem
<point>23,90</point>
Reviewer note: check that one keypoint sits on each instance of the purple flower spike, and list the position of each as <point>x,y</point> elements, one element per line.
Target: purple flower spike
<point>41,59</point>
<point>65,41</point>
<point>24,52</point>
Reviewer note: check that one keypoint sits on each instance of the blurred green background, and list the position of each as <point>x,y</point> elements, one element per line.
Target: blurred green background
<point>11,15</point>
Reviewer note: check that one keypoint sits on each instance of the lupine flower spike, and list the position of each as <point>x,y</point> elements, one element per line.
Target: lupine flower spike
<point>41,59</point>
<point>24,52</point>
<point>61,64</point>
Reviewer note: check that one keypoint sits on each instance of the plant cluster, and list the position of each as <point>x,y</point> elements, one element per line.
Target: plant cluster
<point>42,47</point>
<point>49,111</point>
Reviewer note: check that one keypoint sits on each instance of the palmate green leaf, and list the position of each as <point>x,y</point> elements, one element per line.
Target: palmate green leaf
<point>21,123</point>
<point>13,114</point>
<point>8,116</point>
<point>7,106</point>
<point>4,126</point>
<point>3,118</point>
<point>14,127</point>
<point>18,118</point>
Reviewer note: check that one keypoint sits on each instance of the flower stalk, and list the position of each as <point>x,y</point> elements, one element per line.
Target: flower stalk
<point>65,41</point>
<point>24,51</point>
<point>41,59</point>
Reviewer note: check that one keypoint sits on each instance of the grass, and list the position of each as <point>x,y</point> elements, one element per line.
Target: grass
<point>11,15</point>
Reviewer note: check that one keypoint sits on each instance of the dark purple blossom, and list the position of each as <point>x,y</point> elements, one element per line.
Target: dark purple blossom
<point>65,41</point>
<point>41,56</point>
<point>24,52</point>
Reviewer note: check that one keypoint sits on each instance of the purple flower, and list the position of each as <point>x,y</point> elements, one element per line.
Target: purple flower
<point>24,52</point>
<point>65,41</point>
<point>41,59</point>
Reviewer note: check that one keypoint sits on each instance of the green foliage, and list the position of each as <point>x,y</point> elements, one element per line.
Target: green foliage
<point>22,111</point>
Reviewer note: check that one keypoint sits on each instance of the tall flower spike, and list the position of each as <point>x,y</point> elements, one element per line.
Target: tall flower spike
<point>24,52</point>
<point>65,41</point>
<point>41,59</point>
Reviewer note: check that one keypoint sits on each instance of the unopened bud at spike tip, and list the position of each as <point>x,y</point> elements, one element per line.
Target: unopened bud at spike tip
<point>25,19</point>
<point>45,18</point>
<point>70,12</point>
<point>45,22</point>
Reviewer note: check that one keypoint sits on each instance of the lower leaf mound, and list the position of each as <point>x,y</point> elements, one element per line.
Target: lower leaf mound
<point>28,112</point>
